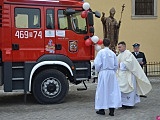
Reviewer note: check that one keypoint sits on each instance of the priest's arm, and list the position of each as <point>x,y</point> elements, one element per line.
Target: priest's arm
<point>98,62</point>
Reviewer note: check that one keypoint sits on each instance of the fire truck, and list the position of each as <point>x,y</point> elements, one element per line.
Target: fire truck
<point>42,47</point>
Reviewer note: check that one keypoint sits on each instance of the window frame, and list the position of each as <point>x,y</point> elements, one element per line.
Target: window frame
<point>53,18</point>
<point>28,27</point>
<point>79,21</point>
<point>58,19</point>
<point>70,27</point>
<point>144,16</point>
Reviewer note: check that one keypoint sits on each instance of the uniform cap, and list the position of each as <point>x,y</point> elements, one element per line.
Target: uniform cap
<point>136,45</point>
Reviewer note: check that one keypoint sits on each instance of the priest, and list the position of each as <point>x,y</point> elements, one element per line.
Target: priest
<point>108,95</point>
<point>131,77</point>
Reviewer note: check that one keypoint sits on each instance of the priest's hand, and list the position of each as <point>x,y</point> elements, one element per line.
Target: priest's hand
<point>141,63</point>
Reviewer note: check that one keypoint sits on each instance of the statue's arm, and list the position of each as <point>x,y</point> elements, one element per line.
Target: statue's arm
<point>118,24</point>
<point>103,18</point>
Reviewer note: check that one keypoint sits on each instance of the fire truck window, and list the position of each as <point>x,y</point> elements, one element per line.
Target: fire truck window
<point>62,20</point>
<point>78,23</point>
<point>27,18</point>
<point>50,19</point>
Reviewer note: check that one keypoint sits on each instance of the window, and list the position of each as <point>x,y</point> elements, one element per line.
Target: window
<point>27,18</point>
<point>144,8</point>
<point>50,19</point>
<point>78,23</point>
<point>63,20</point>
<point>72,22</point>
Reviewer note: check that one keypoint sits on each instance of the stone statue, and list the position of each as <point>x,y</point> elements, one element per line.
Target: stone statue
<point>111,28</point>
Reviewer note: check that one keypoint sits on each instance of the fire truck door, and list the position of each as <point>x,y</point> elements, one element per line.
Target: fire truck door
<point>70,32</point>
<point>49,30</point>
<point>27,33</point>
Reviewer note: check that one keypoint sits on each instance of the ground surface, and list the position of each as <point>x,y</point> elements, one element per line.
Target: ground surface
<point>78,105</point>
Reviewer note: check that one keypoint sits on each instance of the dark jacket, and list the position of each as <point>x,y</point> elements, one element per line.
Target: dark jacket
<point>140,55</point>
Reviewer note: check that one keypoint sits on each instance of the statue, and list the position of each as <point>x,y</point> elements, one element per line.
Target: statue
<point>111,28</point>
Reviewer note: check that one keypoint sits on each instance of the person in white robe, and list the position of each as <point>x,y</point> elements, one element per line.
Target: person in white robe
<point>131,77</point>
<point>108,93</point>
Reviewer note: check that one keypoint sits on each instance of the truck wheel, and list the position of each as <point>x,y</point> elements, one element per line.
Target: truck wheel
<point>50,86</point>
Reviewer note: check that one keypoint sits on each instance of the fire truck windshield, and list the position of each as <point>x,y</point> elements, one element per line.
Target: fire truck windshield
<point>72,22</point>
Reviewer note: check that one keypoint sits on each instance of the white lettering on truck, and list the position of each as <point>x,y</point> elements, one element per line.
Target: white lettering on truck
<point>26,34</point>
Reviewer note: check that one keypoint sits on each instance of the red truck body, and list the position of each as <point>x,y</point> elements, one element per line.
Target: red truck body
<point>44,38</point>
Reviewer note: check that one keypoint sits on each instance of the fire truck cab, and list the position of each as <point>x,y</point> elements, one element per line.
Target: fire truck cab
<point>42,47</point>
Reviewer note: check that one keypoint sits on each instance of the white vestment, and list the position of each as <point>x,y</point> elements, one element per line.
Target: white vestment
<point>108,94</point>
<point>132,79</point>
<point>131,98</point>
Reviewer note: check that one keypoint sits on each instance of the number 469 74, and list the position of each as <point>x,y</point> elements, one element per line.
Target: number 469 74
<point>26,34</point>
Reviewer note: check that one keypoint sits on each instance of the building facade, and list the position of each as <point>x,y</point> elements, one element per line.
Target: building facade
<point>140,23</point>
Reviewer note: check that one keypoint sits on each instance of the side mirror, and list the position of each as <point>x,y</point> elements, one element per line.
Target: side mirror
<point>91,29</point>
<point>97,14</point>
<point>69,11</point>
<point>90,19</point>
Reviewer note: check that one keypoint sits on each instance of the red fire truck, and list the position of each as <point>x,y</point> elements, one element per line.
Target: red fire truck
<point>42,47</point>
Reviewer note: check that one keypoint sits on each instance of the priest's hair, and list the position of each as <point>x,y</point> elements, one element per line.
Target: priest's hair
<point>106,42</point>
<point>122,42</point>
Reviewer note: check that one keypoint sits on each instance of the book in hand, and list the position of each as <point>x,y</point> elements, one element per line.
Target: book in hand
<point>139,60</point>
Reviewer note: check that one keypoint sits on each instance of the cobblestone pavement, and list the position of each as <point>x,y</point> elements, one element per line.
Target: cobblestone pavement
<point>78,105</point>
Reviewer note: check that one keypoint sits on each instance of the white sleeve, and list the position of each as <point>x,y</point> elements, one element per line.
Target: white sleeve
<point>98,62</point>
<point>122,66</point>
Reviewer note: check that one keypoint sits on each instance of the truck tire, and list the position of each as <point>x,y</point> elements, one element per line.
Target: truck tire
<point>50,86</point>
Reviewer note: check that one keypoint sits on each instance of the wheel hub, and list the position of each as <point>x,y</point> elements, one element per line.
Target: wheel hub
<point>51,87</point>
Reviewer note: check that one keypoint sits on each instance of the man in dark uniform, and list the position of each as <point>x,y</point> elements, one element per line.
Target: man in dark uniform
<point>140,56</point>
